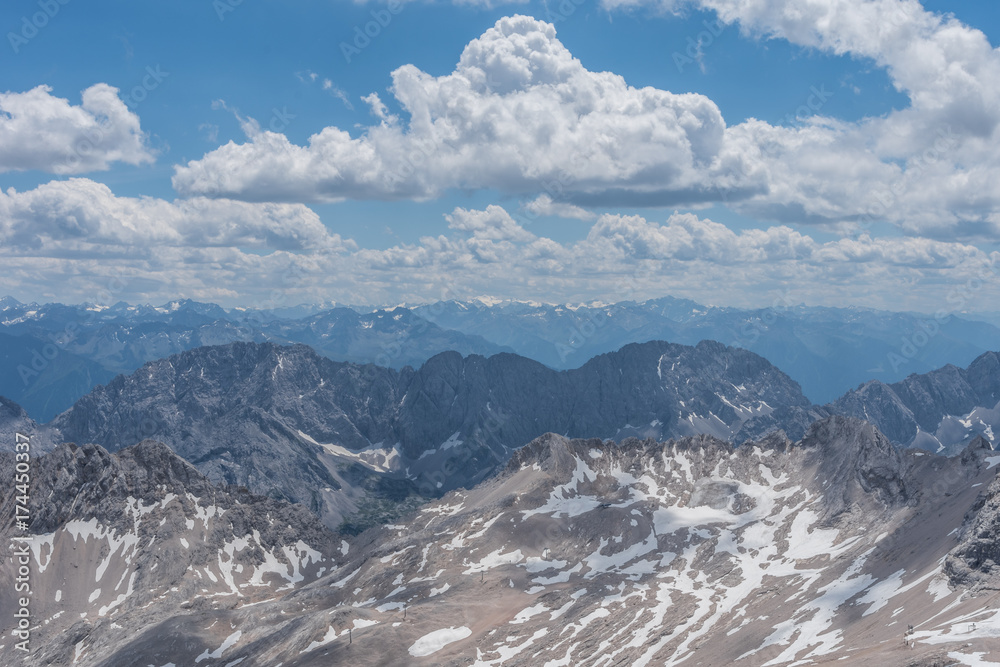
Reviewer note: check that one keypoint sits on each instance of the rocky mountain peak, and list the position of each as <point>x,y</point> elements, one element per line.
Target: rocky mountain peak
<point>977,450</point>
<point>941,411</point>
<point>984,376</point>
<point>88,481</point>
<point>858,464</point>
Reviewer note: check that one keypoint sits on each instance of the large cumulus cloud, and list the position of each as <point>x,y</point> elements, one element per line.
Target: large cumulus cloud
<point>41,131</point>
<point>521,115</point>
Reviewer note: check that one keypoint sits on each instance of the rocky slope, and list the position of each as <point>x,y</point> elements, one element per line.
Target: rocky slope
<point>13,420</point>
<point>590,552</point>
<point>121,544</point>
<point>355,441</point>
<point>941,411</point>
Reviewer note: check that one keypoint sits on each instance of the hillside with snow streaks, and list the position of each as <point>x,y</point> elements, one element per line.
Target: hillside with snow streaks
<point>125,541</point>
<point>590,552</point>
<point>693,552</point>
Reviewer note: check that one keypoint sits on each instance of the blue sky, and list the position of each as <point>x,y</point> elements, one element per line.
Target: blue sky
<point>721,151</point>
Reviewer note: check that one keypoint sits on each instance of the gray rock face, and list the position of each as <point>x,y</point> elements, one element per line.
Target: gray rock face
<point>339,437</point>
<point>237,413</point>
<point>858,464</point>
<point>975,562</point>
<point>939,411</point>
<point>13,420</point>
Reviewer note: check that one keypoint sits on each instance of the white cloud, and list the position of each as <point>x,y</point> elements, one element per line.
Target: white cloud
<point>630,257</point>
<point>686,237</point>
<point>494,223</point>
<point>80,213</point>
<point>44,132</point>
<point>544,205</point>
<point>310,77</point>
<point>932,167</point>
<point>64,240</point>
<point>518,112</point>
<point>521,115</point>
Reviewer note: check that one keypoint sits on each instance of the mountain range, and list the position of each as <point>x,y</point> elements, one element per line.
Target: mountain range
<point>57,353</point>
<point>826,350</point>
<point>361,444</point>
<point>941,411</point>
<point>53,354</point>
<point>256,503</point>
<point>353,442</point>
<point>133,549</point>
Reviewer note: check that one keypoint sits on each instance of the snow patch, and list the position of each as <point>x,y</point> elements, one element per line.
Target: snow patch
<point>437,640</point>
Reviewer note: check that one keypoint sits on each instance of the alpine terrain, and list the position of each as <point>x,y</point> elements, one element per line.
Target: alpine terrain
<point>941,411</point>
<point>836,549</point>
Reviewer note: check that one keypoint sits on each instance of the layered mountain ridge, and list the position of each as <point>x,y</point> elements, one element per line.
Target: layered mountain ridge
<point>59,352</point>
<point>338,437</point>
<point>941,411</point>
<point>826,350</point>
<point>361,443</point>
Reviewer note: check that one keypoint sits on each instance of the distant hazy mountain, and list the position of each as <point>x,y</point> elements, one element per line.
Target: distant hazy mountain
<point>43,378</point>
<point>355,442</point>
<point>579,552</point>
<point>64,351</point>
<point>939,411</point>
<point>826,350</point>
<point>393,338</point>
